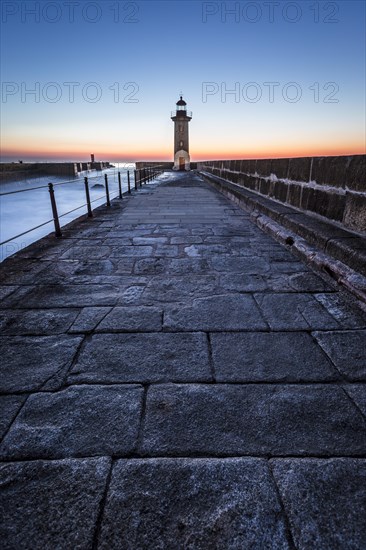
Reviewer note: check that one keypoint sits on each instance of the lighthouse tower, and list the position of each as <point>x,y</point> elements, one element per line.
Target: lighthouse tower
<point>181,118</point>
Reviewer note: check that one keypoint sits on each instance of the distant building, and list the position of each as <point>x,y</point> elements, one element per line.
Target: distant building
<point>92,158</point>
<point>181,117</point>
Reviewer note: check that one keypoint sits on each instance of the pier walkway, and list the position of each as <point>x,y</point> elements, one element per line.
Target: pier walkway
<point>173,378</point>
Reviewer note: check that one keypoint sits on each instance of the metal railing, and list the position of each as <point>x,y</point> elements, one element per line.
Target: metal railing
<point>141,176</point>
<point>179,114</point>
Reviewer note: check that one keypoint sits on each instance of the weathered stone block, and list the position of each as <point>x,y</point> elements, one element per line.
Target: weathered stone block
<point>299,169</point>
<point>263,167</point>
<point>290,311</point>
<point>37,322</point>
<point>294,194</point>
<point>259,419</point>
<point>88,319</point>
<point>250,182</point>
<point>199,503</point>
<point>32,363</point>
<point>69,296</point>
<point>355,211</point>
<point>358,395</point>
<point>76,422</point>
<point>152,240</point>
<point>347,316</point>
<point>346,350</point>
<point>135,251</point>
<point>216,313</point>
<point>279,190</point>
<point>330,170</point>
<point>336,206</point>
<point>239,282</point>
<point>356,173</point>
<point>187,266</point>
<point>86,253</point>
<point>9,407</point>
<point>237,165</point>
<point>175,289</point>
<point>309,198</point>
<point>132,319</point>
<point>269,357</point>
<point>51,504</point>
<point>234,177</point>
<point>231,264</point>
<point>245,166</point>
<point>151,357</point>
<point>325,501</point>
<point>264,186</point>
<point>279,167</point>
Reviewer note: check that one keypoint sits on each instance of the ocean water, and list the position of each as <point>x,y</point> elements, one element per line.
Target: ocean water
<point>31,207</point>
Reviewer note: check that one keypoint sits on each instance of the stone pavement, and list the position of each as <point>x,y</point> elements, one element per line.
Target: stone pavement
<point>173,378</point>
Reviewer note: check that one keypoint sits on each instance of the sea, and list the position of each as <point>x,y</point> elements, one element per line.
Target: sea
<point>30,207</point>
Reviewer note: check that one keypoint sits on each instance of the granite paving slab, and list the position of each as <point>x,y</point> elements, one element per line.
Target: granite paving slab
<point>357,392</point>
<point>79,421</point>
<point>270,357</point>
<point>51,504</point>
<point>252,420</point>
<point>216,313</point>
<point>347,350</point>
<point>132,319</point>
<point>37,322</point>
<point>31,363</point>
<point>9,407</point>
<point>147,357</point>
<point>325,501</point>
<point>294,312</point>
<point>201,504</point>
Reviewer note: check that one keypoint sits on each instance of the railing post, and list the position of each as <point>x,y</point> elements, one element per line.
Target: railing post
<point>120,185</point>
<point>88,203</point>
<point>141,178</point>
<point>128,182</point>
<point>135,180</point>
<point>54,211</point>
<point>107,189</point>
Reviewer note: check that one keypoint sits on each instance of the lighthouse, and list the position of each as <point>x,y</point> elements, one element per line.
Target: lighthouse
<point>181,117</point>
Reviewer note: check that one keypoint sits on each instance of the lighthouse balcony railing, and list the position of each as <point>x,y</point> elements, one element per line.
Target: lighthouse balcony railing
<point>181,113</point>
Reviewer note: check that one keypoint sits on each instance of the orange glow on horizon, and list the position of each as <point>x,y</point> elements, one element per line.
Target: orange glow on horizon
<point>62,152</point>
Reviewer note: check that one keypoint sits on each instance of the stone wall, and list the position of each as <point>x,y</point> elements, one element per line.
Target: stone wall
<point>331,187</point>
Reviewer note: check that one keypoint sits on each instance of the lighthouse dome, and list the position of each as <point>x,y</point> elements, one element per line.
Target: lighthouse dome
<point>181,102</point>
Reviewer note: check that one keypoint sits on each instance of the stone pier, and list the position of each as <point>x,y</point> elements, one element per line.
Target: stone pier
<point>174,378</point>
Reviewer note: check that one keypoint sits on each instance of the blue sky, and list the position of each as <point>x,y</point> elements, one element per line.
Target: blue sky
<point>150,51</point>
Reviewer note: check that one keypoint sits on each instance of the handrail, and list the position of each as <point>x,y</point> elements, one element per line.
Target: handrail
<point>25,232</point>
<point>45,186</point>
<point>142,175</point>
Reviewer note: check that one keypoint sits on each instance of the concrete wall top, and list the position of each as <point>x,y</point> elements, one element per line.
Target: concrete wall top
<point>345,172</point>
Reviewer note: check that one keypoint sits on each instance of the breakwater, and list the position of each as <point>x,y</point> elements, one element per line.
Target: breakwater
<point>331,187</point>
<point>14,171</point>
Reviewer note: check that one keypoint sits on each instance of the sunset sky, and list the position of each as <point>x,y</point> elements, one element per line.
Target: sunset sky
<point>83,77</point>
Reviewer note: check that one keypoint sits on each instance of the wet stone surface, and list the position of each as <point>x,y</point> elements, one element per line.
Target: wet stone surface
<point>172,377</point>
